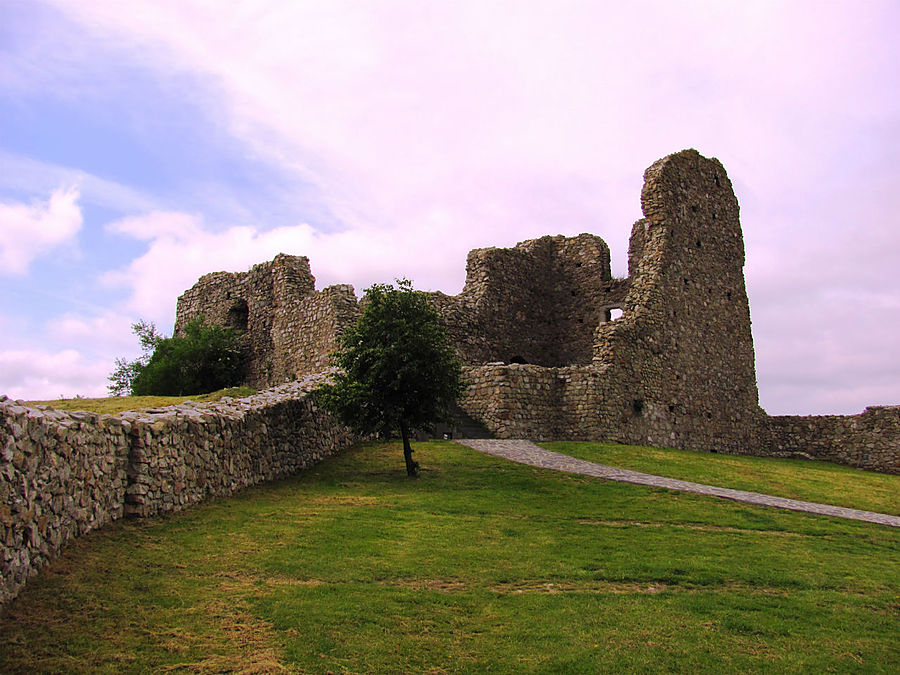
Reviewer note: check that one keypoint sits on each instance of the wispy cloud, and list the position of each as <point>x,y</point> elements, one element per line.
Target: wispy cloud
<point>30,176</point>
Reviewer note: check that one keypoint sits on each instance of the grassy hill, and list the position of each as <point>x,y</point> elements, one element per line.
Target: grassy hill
<point>478,566</point>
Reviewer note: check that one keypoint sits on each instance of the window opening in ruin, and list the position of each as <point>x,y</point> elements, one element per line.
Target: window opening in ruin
<point>239,315</point>
<point>718,182</point>
<point>637,406</point>
<point>519,360</point>
<point>616,313</point>
<point>699,244</point>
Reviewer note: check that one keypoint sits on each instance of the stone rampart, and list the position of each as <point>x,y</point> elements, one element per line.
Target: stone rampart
<point>870,440</point>
<point>63,474</point>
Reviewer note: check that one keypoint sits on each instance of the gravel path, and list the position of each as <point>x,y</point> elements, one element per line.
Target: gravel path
<point>526,452</point>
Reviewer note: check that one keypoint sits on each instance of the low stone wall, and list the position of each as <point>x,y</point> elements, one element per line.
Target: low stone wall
<point>63,474</point>
<point>868,441</point>
<point>585,403</point>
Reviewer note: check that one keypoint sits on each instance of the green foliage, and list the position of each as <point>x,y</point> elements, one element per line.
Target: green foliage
<point>123,376</point>
<point>206,358</point>
<point>398,371</point>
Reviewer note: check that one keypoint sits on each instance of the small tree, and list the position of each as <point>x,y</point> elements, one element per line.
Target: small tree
<point>126,371</point>
<point>398,370</point>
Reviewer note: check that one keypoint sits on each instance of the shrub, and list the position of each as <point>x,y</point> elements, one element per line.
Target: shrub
<point>206,358</point>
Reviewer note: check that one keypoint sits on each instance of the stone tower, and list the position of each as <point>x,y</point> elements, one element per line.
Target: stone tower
<point>684,343</point>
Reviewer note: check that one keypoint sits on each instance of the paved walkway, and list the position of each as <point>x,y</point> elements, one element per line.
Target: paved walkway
<point>526,452</point>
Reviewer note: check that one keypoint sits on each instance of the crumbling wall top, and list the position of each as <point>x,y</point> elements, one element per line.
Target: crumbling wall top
<point>537,302</point>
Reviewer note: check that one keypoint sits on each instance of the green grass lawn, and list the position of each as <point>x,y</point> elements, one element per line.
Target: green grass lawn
<point>480,565</point>
<point>111,405</point>
<point>805,480</point>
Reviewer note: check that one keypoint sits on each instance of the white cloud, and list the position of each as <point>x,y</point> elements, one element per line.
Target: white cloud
<point>44,375</point>
<point>181,248</point>
<point>159,225</point>
<point>102,333</point>
<point>30,230</point>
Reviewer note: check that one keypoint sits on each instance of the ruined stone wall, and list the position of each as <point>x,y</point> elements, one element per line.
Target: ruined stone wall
<point>513,400</point>
<point>682,355</point>
<point>537,303</point>
<point>305,331</point>
<point>288,329</point>
<point>868,441</point>
<point>677,368</point>
<point>63,474</point>
<point>544,358</point>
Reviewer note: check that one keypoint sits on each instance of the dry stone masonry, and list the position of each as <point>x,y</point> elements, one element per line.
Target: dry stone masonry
<point>539,302</point>
<point>554,348</point>
<point>63,474</point>
<point>870,440</point>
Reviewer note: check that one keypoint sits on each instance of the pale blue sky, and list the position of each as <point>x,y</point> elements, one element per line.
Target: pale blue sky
<point>143,144</point>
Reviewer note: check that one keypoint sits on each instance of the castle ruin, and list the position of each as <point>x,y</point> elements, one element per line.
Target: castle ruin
<point>545,356</point>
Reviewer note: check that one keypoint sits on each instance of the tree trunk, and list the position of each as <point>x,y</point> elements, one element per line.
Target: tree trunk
<point>412,468</point>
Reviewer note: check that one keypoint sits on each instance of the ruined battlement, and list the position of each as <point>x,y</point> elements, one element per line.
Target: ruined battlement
<point>545,359</point>
<point>538,302</point>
